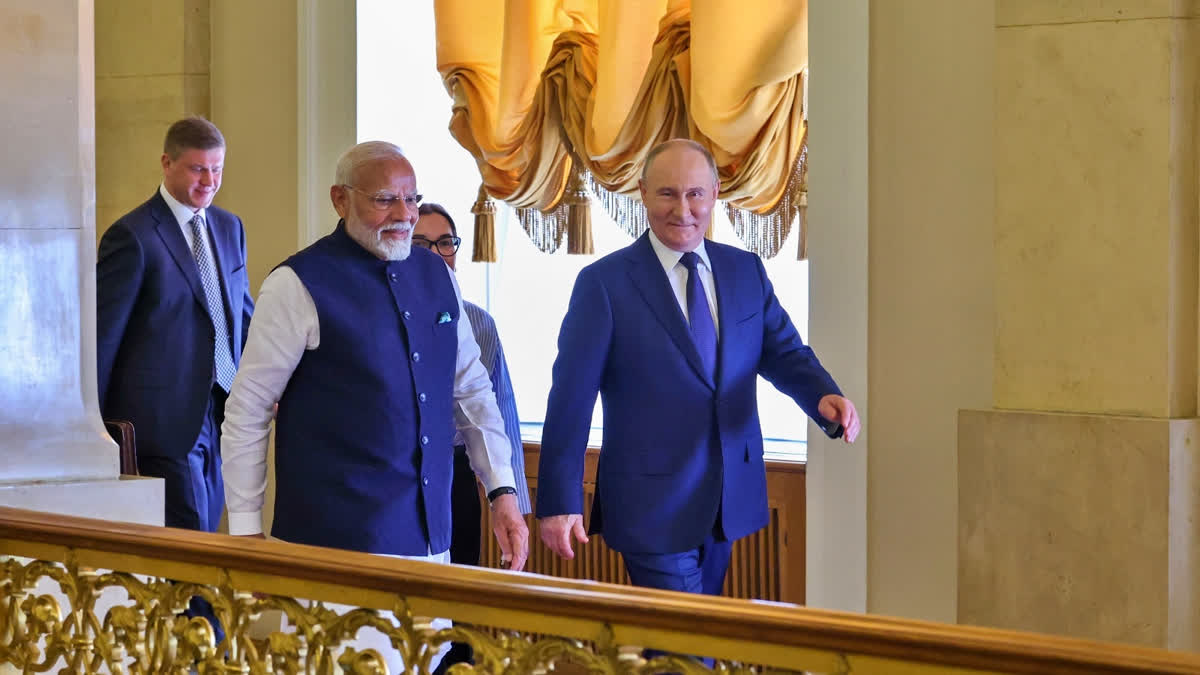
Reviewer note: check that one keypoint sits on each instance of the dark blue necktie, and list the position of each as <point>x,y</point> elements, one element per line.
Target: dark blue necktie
<point>704,332</point>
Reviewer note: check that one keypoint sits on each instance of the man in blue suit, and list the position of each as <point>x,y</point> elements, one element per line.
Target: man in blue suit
<point>173,308</point>
<point>672,332</point>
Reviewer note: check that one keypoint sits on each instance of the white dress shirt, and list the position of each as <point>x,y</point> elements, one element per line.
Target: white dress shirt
<point>677,274</point>
<point>285,325</point>
<point>184,213</point>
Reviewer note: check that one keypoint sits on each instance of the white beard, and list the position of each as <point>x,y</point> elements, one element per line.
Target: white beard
<point>393,250</point>
<point>373,241</point>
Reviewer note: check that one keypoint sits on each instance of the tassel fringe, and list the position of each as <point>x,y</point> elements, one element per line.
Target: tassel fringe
<point>546,230</point>
<point>626,211</point>
<point>764,233</point>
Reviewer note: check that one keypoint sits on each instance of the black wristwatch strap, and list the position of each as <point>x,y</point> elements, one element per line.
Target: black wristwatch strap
<point>506,490</point>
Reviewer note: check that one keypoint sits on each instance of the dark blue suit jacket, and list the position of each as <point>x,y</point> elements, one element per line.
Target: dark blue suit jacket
<point>154,335</point>
<point>677,445</point>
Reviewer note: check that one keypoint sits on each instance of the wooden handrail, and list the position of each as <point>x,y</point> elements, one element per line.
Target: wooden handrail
<point>764,623</point>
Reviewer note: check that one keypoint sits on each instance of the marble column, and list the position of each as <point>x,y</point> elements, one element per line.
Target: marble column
<point>55,453</point>
<point>1078,492</point>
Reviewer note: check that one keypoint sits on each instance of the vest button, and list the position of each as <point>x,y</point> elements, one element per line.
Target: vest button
<point>424,440</point>
<point>393,276</point>
<point>421,397</point>
<point>408,315</point>
<point>416,356</point>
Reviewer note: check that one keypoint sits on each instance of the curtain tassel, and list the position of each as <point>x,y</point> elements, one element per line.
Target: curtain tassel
<point>484,209</point>
<point>579,214</point>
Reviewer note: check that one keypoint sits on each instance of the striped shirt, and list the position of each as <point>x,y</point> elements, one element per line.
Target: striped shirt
<point>491,354</point>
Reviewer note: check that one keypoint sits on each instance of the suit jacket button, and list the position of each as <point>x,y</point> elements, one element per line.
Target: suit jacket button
<point>408,315</point>
<point>416,356</point>
<point>424,440</point>
<point>425,480</point>
<point>421,397</point>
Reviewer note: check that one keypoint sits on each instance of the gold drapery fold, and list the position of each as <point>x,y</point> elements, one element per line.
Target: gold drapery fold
<point>546,89</point>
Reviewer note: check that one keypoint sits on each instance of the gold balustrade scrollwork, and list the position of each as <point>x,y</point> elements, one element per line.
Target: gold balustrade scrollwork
<point>146,632</point>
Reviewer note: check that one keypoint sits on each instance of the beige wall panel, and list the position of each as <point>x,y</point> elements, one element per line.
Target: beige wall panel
<point>132,116</point>
<point>1066,521</point>
<point>151,37</point>
<point>254,101</point>
<point>152,65</point>
<point>1083,228</point>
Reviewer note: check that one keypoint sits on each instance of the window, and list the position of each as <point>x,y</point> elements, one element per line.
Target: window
<point>401,98</point>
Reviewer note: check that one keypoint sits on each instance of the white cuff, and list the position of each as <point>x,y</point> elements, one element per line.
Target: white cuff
<point>502,476</point>
<point>249,522</point>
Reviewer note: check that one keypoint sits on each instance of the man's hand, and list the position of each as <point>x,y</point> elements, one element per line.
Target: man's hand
<point>841,410</point>
<point>557,532</point>
<point>511,532</point>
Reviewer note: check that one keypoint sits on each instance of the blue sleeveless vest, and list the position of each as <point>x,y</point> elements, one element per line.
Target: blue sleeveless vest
<point>363,447</point>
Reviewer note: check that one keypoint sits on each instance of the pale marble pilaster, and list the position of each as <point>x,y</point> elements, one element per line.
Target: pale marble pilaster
<point>54,452</point>
<point>49,419</point>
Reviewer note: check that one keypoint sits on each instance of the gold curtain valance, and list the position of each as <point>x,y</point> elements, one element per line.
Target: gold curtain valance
<point>560,100</point>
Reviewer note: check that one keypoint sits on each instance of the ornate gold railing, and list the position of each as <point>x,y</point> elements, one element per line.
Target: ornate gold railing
<point>518,623</point>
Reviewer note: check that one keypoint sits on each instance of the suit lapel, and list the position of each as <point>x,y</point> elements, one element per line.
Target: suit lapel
<point>651,282</point>
<point>168,230</point>
<point>223,254</point>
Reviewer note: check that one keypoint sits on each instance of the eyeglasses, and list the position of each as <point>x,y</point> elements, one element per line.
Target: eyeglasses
<point>383,201</point>
<point>445,246</point>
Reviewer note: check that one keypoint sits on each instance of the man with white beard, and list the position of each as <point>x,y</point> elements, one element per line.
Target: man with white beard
<point>363,343</point>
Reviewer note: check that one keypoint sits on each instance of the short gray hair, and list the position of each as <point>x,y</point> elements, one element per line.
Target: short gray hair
<point>368,151</point>
<point>685,142</point>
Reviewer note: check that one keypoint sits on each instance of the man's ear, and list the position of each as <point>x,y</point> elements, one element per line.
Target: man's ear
<point>642,189</point>
<point>340,197</point>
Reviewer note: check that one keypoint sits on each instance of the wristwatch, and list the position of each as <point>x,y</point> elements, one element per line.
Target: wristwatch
<point>505,490</point>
